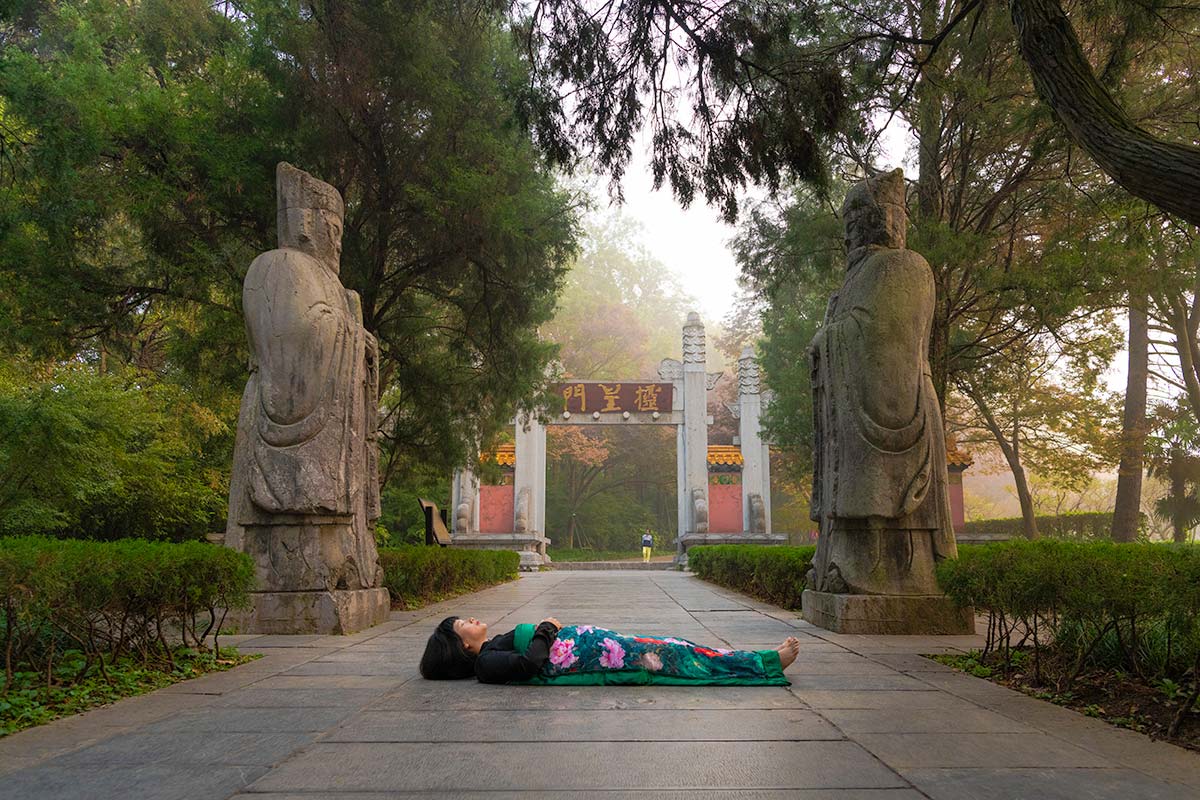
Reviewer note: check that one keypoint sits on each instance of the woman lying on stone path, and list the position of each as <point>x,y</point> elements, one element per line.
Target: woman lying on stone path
<point>583,655</point>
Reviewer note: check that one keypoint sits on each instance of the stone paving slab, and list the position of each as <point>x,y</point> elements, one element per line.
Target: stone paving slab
<point>866,718</point>
<point>253,720</point>
<point>922,720</point>
<point>1043,784</point>
<point>1026,749</point>
<point>553,766</point>
<point>191,747</point>
<point>144,782</point>
<point>667,794</point>
<point>641,725</point>
<point>454,696</point>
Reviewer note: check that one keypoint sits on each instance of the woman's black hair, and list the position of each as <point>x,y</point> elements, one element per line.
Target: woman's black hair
<point>445,658</point>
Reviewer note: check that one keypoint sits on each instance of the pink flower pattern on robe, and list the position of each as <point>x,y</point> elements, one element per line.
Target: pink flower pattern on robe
<point>651,662</point>
<point>562,653</point>
<point>613,656</point>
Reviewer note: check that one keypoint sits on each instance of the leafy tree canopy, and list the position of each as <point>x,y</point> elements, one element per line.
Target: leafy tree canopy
<point>137,149</point>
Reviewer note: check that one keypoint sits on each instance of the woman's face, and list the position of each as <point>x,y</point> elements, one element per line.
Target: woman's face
<point>472,632</point>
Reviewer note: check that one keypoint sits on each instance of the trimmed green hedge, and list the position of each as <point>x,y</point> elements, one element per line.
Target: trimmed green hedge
<point>1132,607</point>
<point>1084,526</point>
<point>97,602</point>
<point>775,573</point>
<point>417,574</point>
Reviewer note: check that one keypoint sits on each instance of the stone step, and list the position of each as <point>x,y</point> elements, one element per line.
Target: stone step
<point>638,565</point>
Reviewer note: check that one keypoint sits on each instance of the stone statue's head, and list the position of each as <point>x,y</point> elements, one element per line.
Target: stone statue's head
<point>874,212</point>
<point>309,215</point>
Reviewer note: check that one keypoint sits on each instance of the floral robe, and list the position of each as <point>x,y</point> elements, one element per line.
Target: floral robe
<point>587,655</point>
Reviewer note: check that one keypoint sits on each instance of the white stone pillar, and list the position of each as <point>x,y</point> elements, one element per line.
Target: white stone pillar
<point>539,496</point>
<point>681,491</point>
<point>756,460</point>
<point>695,424</point>
<point>464,502</point>
<point>529,472</point>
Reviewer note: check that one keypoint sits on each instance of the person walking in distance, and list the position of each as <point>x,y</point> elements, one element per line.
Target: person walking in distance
<point>647,545</point>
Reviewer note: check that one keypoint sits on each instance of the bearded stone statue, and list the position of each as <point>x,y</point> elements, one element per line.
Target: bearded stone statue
<point>304,488</point>
<point>879,480</point>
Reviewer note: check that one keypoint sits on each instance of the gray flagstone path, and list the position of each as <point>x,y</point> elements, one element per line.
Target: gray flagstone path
<point>348,717</point>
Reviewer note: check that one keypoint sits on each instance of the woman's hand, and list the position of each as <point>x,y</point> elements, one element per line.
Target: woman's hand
<point>557,625</point>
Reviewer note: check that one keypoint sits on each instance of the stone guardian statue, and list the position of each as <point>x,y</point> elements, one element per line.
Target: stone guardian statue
<point>304,489</point>
<point>879,479</point>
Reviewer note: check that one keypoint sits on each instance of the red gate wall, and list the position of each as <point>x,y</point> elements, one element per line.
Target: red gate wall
<point>496,509</point>
<point>725,508</point>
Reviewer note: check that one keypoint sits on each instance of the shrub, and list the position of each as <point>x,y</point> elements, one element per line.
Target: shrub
<point>102,601</point>
<point>774,573</point>
<point>417,575</point>
<point>1131,607</point>
<point>1080,526</point>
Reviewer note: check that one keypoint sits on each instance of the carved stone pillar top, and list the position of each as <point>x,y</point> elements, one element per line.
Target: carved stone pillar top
<point>748,378</point>
<point>693,339</point>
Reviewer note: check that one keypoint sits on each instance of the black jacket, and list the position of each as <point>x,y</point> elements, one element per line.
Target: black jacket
<point>498,662</point>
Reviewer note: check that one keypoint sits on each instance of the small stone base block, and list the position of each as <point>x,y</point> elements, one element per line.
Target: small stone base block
<point>531,546</point>
<point>340,611</point>
<point>886,614</point>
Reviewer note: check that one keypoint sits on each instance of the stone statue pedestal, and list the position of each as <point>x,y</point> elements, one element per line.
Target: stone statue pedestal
<point>308,580</point>
<point>530,546</point>
<point>339,611</point>
<point>886,614</point>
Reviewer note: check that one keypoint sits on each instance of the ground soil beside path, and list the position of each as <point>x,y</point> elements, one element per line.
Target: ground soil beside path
<point>1117,698</point>
<point>348,718</point>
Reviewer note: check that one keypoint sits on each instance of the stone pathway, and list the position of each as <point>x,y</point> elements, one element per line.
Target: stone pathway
<point>347,717</point>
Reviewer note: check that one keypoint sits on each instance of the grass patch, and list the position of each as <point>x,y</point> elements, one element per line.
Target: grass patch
<point>581,554</point>
<point>29,701</point>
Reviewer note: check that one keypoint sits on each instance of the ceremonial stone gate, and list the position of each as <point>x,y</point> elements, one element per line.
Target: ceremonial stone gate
<point>513,517</point>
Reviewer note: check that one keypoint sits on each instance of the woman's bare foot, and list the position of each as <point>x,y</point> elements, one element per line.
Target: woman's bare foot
<point>788,651</point>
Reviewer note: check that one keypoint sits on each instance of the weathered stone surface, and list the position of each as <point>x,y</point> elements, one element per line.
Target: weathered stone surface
<point>922,720</point>
<point>879,477</point>
<point>382,767</point>
<point>528,725</point>
<point>886,614</point>
<point>530,546</point>
<point>339,611</point>
<point>1043,784</point>
<point>608,794</point>
<point>145,782</point>
<point>304,489</point>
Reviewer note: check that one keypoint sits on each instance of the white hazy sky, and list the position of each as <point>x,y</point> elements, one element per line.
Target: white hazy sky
<point>694,242</point>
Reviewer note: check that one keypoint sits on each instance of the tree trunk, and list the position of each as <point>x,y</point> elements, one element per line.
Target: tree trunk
<point>1127,510</point>
<point>1178,495</point>
<point>1012,455</point>
<point>1025,497</point>
<point>1166,174</point>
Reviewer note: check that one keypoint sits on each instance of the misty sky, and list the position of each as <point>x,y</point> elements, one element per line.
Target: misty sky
<point>693,243</point>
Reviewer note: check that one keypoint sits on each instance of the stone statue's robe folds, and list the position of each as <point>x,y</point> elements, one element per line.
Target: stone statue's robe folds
<point>880,484</point>
<point>306,434</point>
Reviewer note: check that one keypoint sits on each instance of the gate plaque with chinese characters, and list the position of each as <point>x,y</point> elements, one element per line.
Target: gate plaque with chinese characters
<point>615,397</point>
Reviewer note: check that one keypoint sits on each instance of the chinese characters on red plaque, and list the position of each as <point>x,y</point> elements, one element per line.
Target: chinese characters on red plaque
<point>588,397</point>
